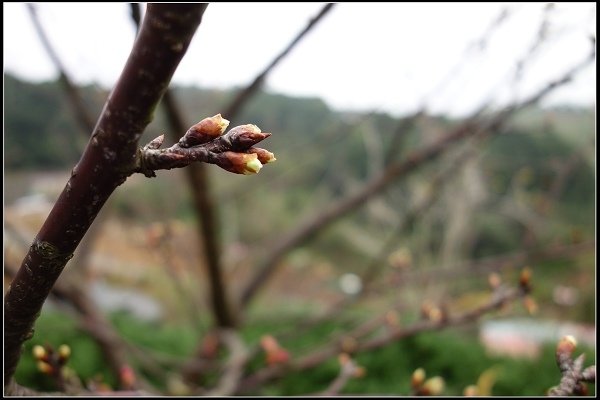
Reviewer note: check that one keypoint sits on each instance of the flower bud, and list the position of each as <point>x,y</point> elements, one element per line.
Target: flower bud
<point>567,345</point>
<point>264,156</point>
<point>243,137</point>
<point>44,367</point>
<point>239,163</point>
<point>204,131</point>
<point>349,344</point>
<point>64,352</point>
<point>155,143</point>
<point>471,391</point>
<point>359,372</point>
<point>417,378</point>
<point>564,351</point>
<point>127,377</point>
<point>525,279</point>
<point>274,353</point>
<point>433,386</point>
<point>39,352</point>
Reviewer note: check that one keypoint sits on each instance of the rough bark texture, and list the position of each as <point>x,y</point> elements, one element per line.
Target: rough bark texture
<point>107,161</point>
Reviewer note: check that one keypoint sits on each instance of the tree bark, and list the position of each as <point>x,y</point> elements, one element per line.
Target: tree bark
<point>107,161</point>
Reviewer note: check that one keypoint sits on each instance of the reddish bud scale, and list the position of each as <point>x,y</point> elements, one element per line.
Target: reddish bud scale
<point>564,351</point>
<point>238,163</point>
<point>525,279</point>
<point>264,156</point>
<point>204,131</point>
<point>274,353</point>
<point>127,377</point>
<point>243,137</point>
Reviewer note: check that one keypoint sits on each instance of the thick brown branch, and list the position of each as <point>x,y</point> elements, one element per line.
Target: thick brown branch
<point>105,164</point>
<point>394,171</point>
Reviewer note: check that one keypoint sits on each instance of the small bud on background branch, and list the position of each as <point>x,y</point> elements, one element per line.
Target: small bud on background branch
<point>574,376</point>
<point>205,142</point>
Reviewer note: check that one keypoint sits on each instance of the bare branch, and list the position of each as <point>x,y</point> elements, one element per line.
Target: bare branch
<point>394,171</point>
<point>573,375</point>
<point>234,367</point>
<point>81,113</point>
<point>242,98</point>
<point>499,299</point>
<point>107,161</point>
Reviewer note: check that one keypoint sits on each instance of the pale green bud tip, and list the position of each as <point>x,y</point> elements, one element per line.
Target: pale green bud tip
<point>222,122</point>
<point>435,385</point>
<point>571,340</point>
<point>38,351</point>
<point>252,128</point>
<point>252,166</point>
<point>44,367</point>
<point>64,351</point>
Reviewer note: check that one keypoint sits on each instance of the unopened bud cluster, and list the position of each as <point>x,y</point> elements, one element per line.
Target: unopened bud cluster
<point>206,141</point>
<point>204,131</point>
<point>49,361</point>
<point>431,387</point>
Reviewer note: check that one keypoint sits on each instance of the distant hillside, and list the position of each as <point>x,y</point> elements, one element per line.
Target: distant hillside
<point>40,131</point>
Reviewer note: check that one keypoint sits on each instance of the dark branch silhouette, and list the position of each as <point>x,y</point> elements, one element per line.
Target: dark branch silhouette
<point>109,158</point>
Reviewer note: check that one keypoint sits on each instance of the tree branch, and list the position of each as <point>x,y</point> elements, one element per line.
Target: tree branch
<point>205,208</point>
<point>500,298</point>
<point>394,171</point>
<point>109,158</point>
<point>233,110</point>
<point>81,113</point>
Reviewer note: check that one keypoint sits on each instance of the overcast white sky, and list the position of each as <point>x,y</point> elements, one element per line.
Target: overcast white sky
<point>372,56</point>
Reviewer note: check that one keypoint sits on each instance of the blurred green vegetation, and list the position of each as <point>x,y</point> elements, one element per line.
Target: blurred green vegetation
<point>454,354</point>
<point>322,156</point>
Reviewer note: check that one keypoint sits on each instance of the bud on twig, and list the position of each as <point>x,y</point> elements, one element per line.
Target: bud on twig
<point>433,386</point>
<point>417,378</point>
<point>471,391</point>
<point>204,131</point>
<point>64,352</point>
<point>44,367</point>
<point>155,143</point>
<point>239,163</point>
<point>525,280</point>
<point>39,352</point>
<point>243,137</point>
<point>264,156</point>
<point>274,353</point>
<point>564,351</point>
